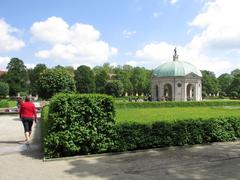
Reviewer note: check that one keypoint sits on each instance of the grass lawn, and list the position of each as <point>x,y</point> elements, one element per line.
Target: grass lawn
<point>149,115</point>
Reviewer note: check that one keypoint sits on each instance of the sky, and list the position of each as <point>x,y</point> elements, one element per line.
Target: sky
<point>141,33</point>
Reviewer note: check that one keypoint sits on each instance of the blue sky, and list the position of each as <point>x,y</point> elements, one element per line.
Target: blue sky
<point>136,32</point>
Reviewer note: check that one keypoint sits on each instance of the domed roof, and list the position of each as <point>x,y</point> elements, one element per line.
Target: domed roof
<point>176,68</point>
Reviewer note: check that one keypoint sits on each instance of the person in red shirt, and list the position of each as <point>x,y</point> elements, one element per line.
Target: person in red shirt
<point>27,113</point>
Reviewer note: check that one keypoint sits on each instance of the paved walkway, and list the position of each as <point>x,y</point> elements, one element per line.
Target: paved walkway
<point>18,161</point>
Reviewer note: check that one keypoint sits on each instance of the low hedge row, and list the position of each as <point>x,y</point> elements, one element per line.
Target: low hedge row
<point>78,124</point>
<point>149,104</point>
<point>183,132</point>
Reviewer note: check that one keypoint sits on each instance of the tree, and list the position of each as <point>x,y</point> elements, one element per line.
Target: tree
<point>209,82</point>
<point>225,81</point>
<point>52,81</point>
<point>234,88</point>
<point>140,79</point>
<point>70,69</point>
<point>235,72</point>
<point>34,75</point>
<point>101,80</point>
<point>114,88</point>
<point>4,89</point>
<point>17,77</point>
<point>84,78</point>
<point>124,76</point>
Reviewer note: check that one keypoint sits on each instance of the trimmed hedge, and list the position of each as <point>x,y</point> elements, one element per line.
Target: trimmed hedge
<point>158,104</point>
<point>176,133</point>
<point>5,103</point>
<point>75,124</point>
<point>78,124</point>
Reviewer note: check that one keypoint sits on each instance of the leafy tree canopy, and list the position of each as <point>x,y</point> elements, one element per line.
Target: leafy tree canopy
<point>209,82</point>
<point>4,89</point>
<point>114,88</point>
<point>17,76</point>
<point>52,81</point>
<point>84,78</point>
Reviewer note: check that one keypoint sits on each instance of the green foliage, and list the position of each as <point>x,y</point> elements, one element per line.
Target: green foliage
<point>234,88</point>
<point>131,136</point>
<point>84,78</point>
<point>209,82</point>
<point>17,77</point>
<point>124,76</point>
<point>235,72</point>
<point>78,124</point>
<point>44,120</point>
<point>52,81</point>
<point>140,79</point>
<point>34,75</point>
<point>225,81</point>
<point>5,103</point>
<point>4,89</point>
<point>114,88</point>
<point>101,80</point>
<point>149,104</point>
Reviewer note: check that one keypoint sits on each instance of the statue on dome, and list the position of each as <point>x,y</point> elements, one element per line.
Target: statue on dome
<point>175,56</point>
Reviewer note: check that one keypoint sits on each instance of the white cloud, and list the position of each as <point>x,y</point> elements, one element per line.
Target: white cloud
<point>3,62</point>
<point>155,54</point>
<point>128,34</point>
<point>214,47</point>
<point>136,63</point>
<point>8,42</point>
<point>30,66</point>
<point>77,44</point>
<point>220,28</point>
<point>173,1</point>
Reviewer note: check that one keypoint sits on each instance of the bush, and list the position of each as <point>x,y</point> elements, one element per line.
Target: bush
<point>4,89</point>
<point>78,124</point>
<point>81,124</point>
<point>5,103</point>
<point>158,104</point>
<point>176,133</point>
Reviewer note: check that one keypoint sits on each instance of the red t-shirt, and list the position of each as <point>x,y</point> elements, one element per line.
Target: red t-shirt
<point>28,110</point>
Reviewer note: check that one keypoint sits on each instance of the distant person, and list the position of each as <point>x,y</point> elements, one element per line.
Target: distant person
<point>19,102</point>
<point>27,114</point>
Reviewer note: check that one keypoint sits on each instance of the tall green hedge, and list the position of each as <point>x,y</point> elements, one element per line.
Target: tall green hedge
<point>79,124</point>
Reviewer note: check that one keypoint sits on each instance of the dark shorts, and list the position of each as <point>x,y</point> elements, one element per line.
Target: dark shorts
<point>27,124</point>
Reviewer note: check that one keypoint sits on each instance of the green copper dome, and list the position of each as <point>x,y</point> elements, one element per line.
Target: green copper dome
<point>176,68</point>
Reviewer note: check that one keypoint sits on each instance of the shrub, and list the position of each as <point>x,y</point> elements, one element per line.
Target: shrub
<point>4,89</point>
<point>121,104</point>
<point>79,124</point>
<point>182,132</point>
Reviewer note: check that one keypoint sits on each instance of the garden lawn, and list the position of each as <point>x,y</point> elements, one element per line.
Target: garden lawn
<point>150,115</point>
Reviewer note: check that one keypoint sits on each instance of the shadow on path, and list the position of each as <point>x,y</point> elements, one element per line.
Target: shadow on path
<point>217,161</point>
